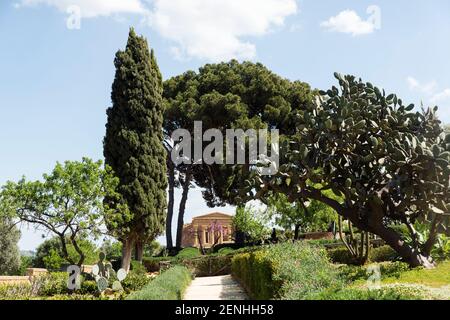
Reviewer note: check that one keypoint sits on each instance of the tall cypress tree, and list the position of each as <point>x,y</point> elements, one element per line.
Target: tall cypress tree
<point>133,146</point>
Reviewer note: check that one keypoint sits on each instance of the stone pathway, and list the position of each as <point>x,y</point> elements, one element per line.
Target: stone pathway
<point>215,288</point>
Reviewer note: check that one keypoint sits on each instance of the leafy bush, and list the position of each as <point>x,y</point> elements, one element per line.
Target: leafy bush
<point>53,283</point>
<point>341,255</point>
<point>25,263</point>
<point>383,253</point>
<point>49,254</point>
<point>380,254</point>
<point>325,242</point>
<point>88,287</point>
<point>169,285</point>
<point>441,250</point>
<point>352,273</point>
<point>136,278</point>
<point>112,250</point>
<point>151,264</point>
<point>20,291</point>
<point>285,271</point>
<point>384,293</point>
<point>137,267</point>
<point>135,281</point>
<point>225,251</point>
<point>187,253</point>
<point>75,296</point>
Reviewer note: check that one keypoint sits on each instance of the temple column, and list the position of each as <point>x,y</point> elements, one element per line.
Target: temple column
<point>203,235</point>
<point>196,236</point>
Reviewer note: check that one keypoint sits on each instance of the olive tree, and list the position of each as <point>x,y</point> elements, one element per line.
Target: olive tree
<point>9,238</point>
<point>67,203</point>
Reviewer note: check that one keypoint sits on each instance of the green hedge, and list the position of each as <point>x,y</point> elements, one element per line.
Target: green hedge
<point>169,285</point>
<point>188,253</point>
<point>380,254</point>
<point>285,271</point>
<point>385,293</point>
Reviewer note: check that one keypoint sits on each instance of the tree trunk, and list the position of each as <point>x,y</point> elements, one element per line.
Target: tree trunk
<point>127,248</point>
<point>62,238</point>
<point>182,209</point>
<point>169,241</point>
<point>78,250</point>
<point>296,231</point>
<point>409,254</point>
<point>139,250</point>
<point>432,238</point>
<point>375,225</point>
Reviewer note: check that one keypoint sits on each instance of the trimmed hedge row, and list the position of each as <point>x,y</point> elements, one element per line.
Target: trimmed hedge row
<point>380,254</point>
<point>285,271</point>
<point>169,285</point>
<point>398,292</point>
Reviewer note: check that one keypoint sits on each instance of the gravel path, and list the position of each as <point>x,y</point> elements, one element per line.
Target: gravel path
<point>215,288</point>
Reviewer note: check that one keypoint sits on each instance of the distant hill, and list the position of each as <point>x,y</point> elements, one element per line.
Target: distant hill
<point>27,253</point>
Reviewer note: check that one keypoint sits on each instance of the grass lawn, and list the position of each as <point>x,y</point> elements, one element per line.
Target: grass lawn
<point>438,277</point>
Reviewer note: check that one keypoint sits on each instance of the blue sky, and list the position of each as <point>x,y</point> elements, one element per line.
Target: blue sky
<point>56,81</point>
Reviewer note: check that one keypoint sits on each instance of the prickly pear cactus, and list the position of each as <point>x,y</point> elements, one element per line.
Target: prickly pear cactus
<point>103,272</point>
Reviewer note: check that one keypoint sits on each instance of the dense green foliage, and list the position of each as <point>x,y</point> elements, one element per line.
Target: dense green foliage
<point>169,285</point>
<point>112,250</point>
<point>309,216</point>
<point>187,253</point>
<point>68,203</point>
<point>285,271</point>
<point>380,254</point>
<point>231,95</point>
<point>49,254</point>
<point>385,293</point>
<point>9,250</point>
<point>250,224</point>
<point>133,146</point>
<point>387,162</point>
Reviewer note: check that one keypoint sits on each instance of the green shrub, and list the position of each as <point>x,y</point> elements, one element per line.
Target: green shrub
<point>187,253</point>
<point>53,283</point>
<point>325,242</point>
<point>341,256</point>
<point>138,267</point>
<point>383,253</point>
<point>254,271</point>
<point>152,264</point>
<point>88,287</point>
<point>19,291</point>
<point>380,254</point>
<point>136,278</point>
<point>351,273</point>
<point>25,263</point>
<point>285,271</point>
<point>75,296</point>
<point>169,285</point>
<point>384,293</point>
<point>226,251</point>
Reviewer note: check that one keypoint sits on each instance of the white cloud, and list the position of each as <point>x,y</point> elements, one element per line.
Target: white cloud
<point>348,21</point>
<point>213,29</point>
<point>427,88</point>
<point>441,96</point>
<point>431,95</point>
<point>90,8</point>
<point>205,29</point>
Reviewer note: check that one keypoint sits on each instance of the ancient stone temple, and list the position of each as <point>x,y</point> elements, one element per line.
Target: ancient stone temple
<point>208,230</point>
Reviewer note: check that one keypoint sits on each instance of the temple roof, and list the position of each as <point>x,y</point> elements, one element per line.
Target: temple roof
<point>214,215</point>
